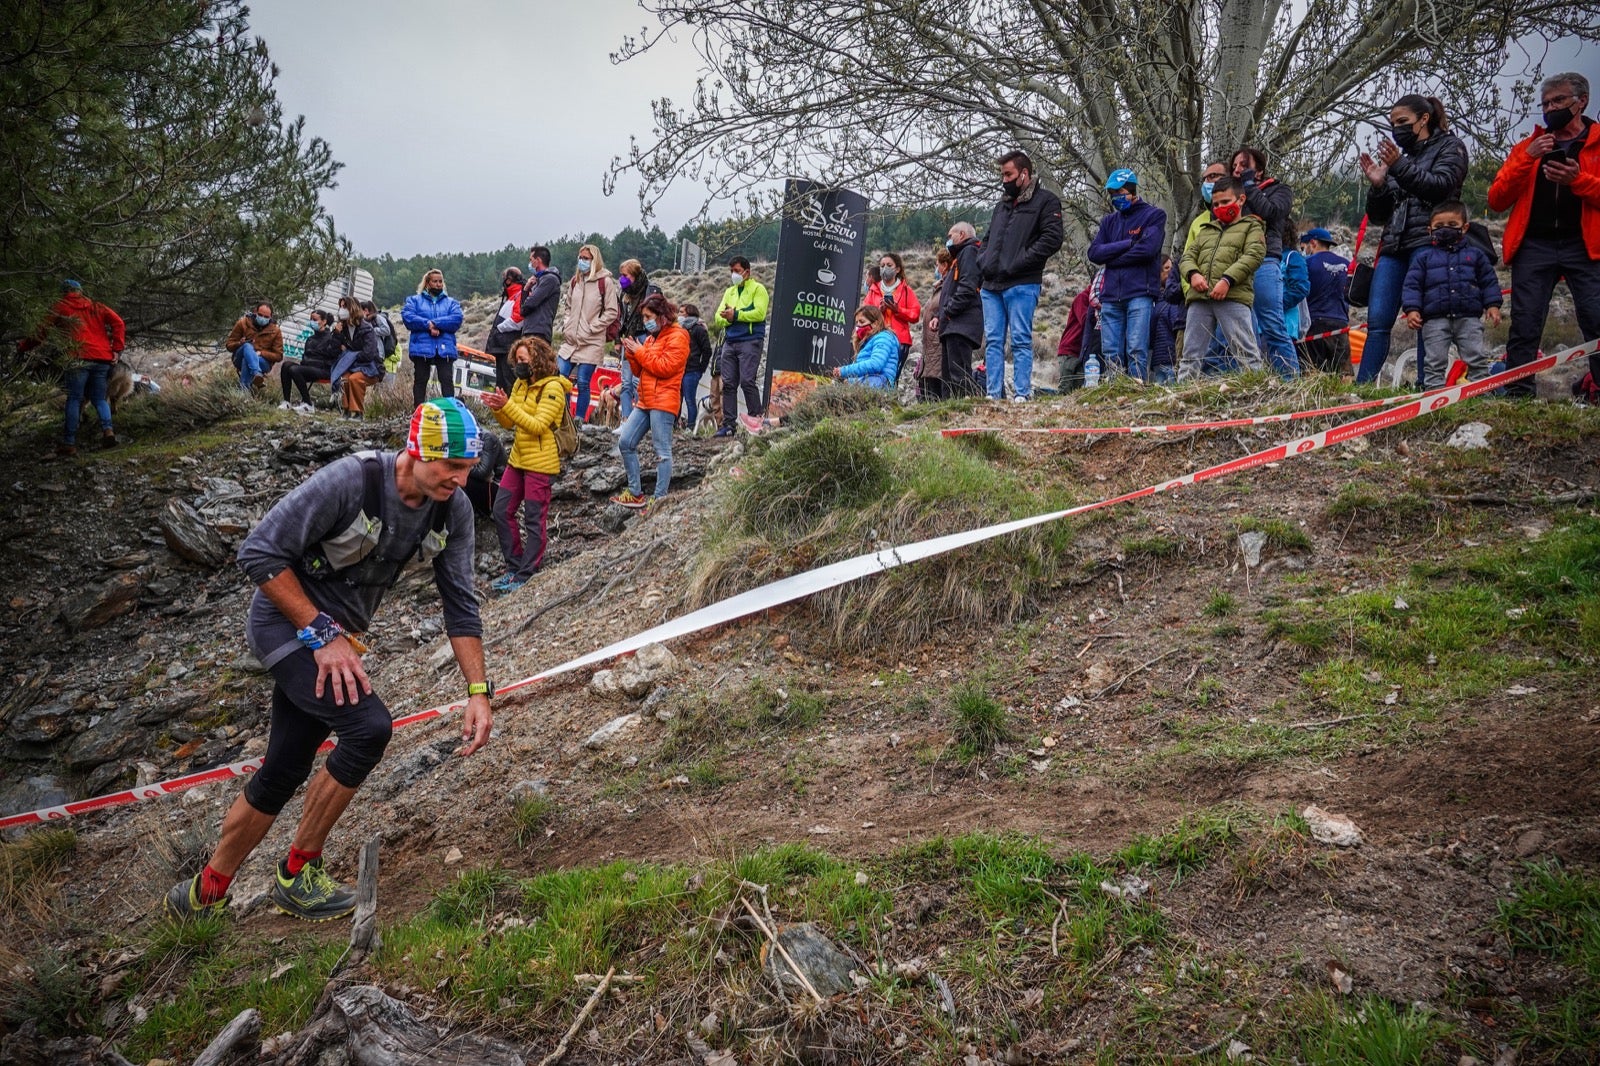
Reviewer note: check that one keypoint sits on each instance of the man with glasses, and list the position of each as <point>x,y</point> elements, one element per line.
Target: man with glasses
<point>1551,185</point>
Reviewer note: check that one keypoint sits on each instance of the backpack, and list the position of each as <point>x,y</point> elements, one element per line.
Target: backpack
<point>352,556</point>
<point>389,343</point>
<point>566,431</point>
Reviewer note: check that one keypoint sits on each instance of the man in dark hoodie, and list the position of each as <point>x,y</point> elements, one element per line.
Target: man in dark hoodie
<point>541,292</point>
<point>1024,232</point>
<point>1128,245</point>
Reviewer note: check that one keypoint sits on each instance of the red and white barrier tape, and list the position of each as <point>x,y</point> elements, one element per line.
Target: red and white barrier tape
<point>798,586</point>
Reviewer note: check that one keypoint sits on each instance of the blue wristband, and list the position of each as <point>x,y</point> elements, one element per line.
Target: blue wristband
<point>322,631</point>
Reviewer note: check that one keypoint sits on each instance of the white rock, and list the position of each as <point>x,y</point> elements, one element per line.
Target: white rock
<point>1471,435</point>
<point>611,730</point>
<point>453,856</point>
<point>1329,828</point>
<point>604,683</point>
<point>1250,545</point>
<point>1128,886</point>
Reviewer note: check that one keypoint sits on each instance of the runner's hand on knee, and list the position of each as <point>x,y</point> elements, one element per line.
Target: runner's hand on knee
<point>339,665</point>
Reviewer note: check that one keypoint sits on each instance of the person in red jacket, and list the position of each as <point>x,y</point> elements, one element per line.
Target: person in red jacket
<point>901,309</point>
<point>1551,185</point>
<point>93,335</point>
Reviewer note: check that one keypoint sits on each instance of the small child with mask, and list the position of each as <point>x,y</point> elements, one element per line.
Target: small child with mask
<point>1449,288</point>
<point>1220,264</point>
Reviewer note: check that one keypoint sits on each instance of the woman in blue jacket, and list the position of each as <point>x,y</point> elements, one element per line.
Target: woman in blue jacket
<point>433,317</point>
<point>878,354</point>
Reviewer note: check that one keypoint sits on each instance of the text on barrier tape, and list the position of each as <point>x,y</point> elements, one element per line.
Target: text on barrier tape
<point>798,586</point>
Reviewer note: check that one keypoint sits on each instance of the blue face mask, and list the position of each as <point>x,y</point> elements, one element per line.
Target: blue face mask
<point>1122,201</point>
<point>651,325</point>
<point>948,243</point>
<point>688,321</point>
<point>584,265</point>
<point>1205,190</point>
<point>262,320</point>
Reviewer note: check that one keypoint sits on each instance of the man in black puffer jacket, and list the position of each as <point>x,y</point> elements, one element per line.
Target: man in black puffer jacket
<point>1024,233</point>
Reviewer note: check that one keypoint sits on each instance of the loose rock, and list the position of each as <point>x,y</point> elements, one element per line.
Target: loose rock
<point>1329,828</point>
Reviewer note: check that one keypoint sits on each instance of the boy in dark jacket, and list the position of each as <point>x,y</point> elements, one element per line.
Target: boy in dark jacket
<point>1166,326</point>
<point>1329,303</point>
<point>699,359</point>
<point>1449,288</point>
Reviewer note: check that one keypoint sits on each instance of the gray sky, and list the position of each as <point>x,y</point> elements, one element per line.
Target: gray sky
<point>426,104</point>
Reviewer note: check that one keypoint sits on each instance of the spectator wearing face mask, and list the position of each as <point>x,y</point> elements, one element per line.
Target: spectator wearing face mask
<point>360,365</point>
<point>635,287</point>
<point>1208,181</point>
<point>1024,232</point>
<point>592,307</point>
<point>744,308</point>
<point>1449,288</point>
<point>320,352</point>
<point>699,360</point>
<point>506,327</point>
<point>256,344</point>
<point>1128,245</point>
<point>533,411</point>
<point>931,383</point>
<point>541,293</point>
<point>1328,303</point>
<point>892,295</point>
<point>658,363</point>
<point>1221,264</point>
<point>433,316</point>
<point>1423,166</point>
<point>1166,326</point>
<point>1551,185</point>
<point>385,330</point>
<point>960,319</point>
<point>877,352</point>
<point>1272,202</point>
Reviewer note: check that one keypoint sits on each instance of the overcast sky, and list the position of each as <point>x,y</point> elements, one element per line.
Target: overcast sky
<point>427,105</point>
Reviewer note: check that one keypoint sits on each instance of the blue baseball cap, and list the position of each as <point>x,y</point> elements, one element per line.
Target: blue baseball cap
<point>1120,177</point>
<point>1317,234</point>
<point>71,285</point>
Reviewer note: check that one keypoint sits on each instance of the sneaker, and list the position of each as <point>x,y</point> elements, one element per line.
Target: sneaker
<point>183,902</point>
<point>304,409</point>
<point>751,423</point>
<point>505,583</point>
<point>285,406</point>
<point>630,501</point>
<point>108,439</point>
<point>1021,399</point>
<point>311,894</point>
<point>725,431</point>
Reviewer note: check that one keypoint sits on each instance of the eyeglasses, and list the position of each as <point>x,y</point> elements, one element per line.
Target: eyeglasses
<point>1557,101</point>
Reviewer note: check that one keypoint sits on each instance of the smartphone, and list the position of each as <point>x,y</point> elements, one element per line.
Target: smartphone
<point>1558,155</point>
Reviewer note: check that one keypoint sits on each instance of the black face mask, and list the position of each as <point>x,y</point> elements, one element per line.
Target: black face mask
<point>1013,189</point>
<point>523,371</point>
<point>1405,137</point>
<point>1447,237</point>
<point>1556,120</point>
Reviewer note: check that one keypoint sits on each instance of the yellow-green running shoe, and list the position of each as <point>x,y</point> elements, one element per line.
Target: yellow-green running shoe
<point>311,894</point>
<point>183,902</point>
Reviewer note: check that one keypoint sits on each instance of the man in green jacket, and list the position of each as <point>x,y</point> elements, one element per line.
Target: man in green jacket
<point>1220,265</point>
<point>744,309</point>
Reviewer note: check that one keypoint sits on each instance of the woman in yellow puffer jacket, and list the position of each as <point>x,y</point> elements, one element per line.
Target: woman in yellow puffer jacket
<point>533,410</point>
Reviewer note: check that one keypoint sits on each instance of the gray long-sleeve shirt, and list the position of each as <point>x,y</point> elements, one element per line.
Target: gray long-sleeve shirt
<point>327,503</point>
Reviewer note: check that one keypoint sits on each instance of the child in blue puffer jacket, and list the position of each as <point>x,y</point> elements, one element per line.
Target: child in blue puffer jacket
<point>1449,288</point>
<point>878,354</point>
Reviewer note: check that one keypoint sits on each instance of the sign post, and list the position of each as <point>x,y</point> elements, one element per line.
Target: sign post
<point>821,256</point>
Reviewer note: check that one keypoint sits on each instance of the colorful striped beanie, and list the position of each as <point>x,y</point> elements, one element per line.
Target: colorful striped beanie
<point>443,429</point>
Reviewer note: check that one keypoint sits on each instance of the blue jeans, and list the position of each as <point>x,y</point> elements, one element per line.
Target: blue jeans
<point>249,364</point>
<point>1276,344</point>
<point>585,375</point>
<point>660,424</point>
<point>691,391</point>
<point>88,378</point>
<point>1383,307</point>
<point>1009,312</point>
<point>1125,334</point>
<point>630,386</point>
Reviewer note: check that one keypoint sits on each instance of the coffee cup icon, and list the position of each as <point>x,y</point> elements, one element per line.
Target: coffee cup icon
<point>826,276</point>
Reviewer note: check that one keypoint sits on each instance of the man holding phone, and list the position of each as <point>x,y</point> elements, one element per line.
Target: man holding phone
<point>1551,185</point>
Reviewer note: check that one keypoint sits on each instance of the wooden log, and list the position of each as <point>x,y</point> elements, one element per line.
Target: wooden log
<point>246,1026</point>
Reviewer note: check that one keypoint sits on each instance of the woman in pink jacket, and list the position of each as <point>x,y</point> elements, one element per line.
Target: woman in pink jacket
<point>892,294</point>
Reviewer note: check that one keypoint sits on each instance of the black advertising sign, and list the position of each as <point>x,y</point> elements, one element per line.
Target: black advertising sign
<point>821,258</point>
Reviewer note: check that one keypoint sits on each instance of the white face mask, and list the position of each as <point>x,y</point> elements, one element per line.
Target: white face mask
<point>343,314</point>
<point>735,277</point>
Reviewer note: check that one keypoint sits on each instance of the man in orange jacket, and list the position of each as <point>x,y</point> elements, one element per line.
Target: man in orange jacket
<point>1551,185</point>
<point>92,334</point>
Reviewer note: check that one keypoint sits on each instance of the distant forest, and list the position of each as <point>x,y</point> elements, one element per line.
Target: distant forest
<point>478,273</point>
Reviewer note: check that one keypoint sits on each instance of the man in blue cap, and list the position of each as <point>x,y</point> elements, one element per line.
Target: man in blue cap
<point>1329,302</point>
<point>1128,245</point>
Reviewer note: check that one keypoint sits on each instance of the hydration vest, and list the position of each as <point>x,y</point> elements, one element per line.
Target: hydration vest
<point>358,555</point>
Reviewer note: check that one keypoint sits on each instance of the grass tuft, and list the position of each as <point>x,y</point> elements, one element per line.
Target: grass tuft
<point>980,721</point>
<point>831,467</point>
<point>1280,533</point>
<point>839,401</point>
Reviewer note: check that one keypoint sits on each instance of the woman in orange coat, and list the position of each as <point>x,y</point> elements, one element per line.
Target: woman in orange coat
<point>658,363</point>
<point>901,309</point>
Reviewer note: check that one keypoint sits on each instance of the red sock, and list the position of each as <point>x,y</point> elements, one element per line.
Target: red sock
<point>297,860</point>
<point>213,886</point>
